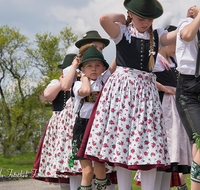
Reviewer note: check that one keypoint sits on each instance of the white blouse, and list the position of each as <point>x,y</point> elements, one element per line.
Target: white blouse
<point>161,63</point>
<point>186,52</point>
<point>87,107</point>
<point>132,31</point>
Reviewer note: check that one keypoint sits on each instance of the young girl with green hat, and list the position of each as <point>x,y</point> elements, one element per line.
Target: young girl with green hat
<point>129,120</point>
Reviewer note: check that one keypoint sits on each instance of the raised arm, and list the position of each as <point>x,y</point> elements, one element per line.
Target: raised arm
<point>108,22</point>
<point>168,38</point>
<point>51,92</point>
<point>85,89</point>
<point>189,32</point>
<point>67,81</point>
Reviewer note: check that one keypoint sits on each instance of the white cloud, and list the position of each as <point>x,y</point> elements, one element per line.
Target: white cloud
<point>62,13</point>
<point>87,17</point>
<point>164,20</point>
<point>34,16</point>
<point>72,49</point>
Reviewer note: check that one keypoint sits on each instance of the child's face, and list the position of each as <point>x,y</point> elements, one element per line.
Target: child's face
<point>140,24</point>
<point>93,69</point>
<point>99,45</point>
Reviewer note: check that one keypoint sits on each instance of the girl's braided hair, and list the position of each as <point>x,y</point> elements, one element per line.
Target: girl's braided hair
<point>128,20</point>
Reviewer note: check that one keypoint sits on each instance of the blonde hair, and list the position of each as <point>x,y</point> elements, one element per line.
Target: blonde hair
<point>83,49</point>
<point>128,20</point>
<point>151,59</point>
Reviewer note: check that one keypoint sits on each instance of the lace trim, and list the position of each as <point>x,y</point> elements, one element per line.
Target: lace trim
<point>126,33</point>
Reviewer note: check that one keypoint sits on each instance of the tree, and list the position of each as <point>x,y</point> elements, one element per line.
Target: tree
<point>21,85</point>
<point>50,51</point>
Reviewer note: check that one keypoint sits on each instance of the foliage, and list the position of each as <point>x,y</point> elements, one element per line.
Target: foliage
<point>25,69</point>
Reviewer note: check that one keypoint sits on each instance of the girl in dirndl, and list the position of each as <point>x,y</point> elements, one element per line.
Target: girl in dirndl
<point>128,127</point>
<point>46,170</point>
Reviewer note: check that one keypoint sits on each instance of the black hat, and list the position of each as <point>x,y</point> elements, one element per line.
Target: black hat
<point>92,54</point>
<point>148,9</point>
<point>90,37</point>
<point>67,61</point>
<point>170,28</point>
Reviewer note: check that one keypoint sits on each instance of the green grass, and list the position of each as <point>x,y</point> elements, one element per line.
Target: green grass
<point>136,187</point>
<point>24,162</point>
<point>16,164</point>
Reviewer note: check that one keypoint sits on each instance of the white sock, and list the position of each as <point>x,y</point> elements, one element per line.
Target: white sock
<point>148,179</point>
<point>75,182</point>
<point>124,178</point>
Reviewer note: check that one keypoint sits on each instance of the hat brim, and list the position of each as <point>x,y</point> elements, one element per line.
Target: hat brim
<point>63,66</point>
<point>89,59</point>
<point>82,42</point>
<point>158,13</point>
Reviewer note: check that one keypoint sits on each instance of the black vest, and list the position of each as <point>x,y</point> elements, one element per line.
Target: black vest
<point>59,102</point>
<point>135,54</point>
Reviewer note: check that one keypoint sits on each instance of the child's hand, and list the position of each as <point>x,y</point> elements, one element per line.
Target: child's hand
<point>76,62</point>
<point>83,78</point>
<point>168,90</point>
<point>61,78</point>
<point>190,12</point>
<point>195,11</point>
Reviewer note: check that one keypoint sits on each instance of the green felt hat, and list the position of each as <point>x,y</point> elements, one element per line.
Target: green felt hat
<point>170,28</point>
<point>67,61</point>
<point>90,37</point>
<point>92,54</point>
<point>148,9</point>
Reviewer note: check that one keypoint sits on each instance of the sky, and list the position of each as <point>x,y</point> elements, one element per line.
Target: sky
<point>40,16</point>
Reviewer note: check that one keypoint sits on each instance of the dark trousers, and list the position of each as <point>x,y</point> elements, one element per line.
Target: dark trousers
<point>78,132</point>
<point>188,103</point>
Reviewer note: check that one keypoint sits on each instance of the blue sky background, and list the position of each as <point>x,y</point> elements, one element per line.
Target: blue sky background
<point>40,16</point>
